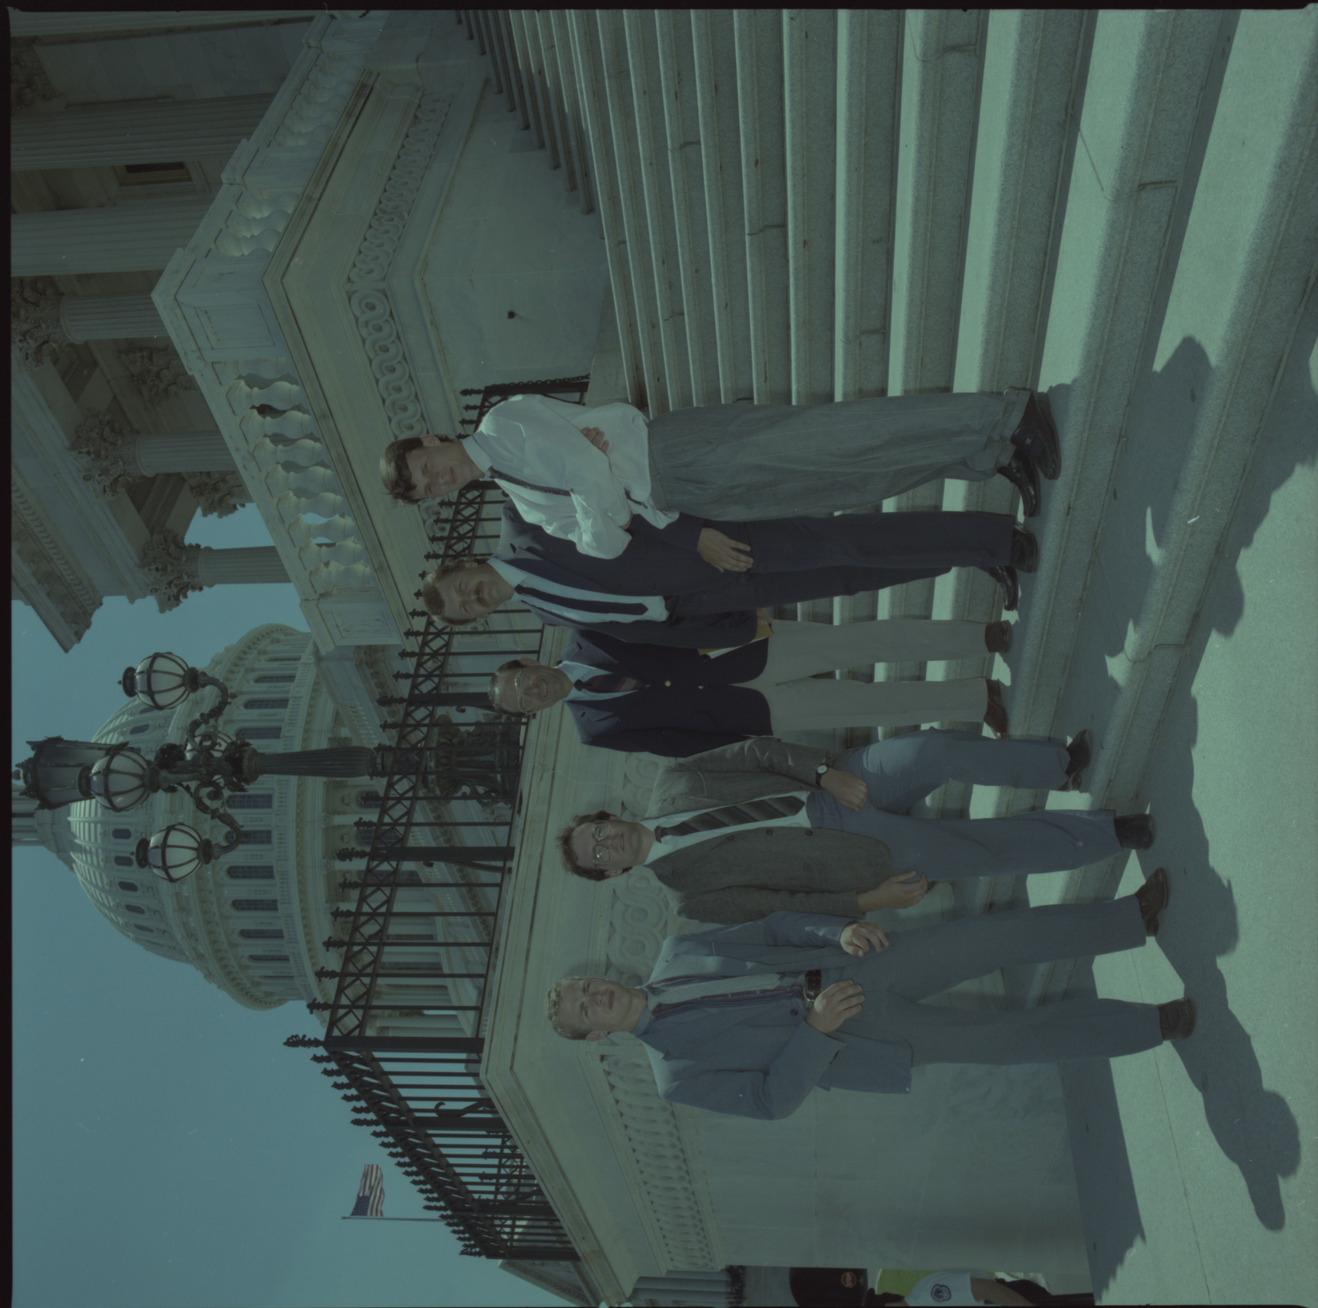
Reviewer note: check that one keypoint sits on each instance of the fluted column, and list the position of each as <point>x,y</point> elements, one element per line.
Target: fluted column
<point>109,317</point>
<point>140,131</point>
<point>125,238</point>
<point>191,451</point>
<point>33,22</point>
<point>255,565</point>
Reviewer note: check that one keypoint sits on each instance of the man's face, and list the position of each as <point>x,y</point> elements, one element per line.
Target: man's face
<point>530,688</point>
<point>612,846</point>
<point>472,592</point>
<point>599,1007</point>
<point>438,469</point>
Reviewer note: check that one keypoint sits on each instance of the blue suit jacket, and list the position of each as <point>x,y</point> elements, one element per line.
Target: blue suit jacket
<point>765,1063</point>
<point>690,702</point>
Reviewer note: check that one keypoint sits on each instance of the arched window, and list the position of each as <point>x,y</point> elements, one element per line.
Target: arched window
<point>257,837</point>
<point>250,872</point>
<point>265,703</point>
<point>137,926</point>
<point>259,800</point>
<point>256,905</point>
<point>122,860</point>
<point>271,677</point>
<point>262,933</point>
<point>122,833</point>
<point>141,727</point>
<point>260,733</point>
<point>135,908</point>
<point>128,885</point>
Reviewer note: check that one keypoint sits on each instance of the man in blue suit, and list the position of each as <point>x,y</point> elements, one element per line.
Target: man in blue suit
<point>664,593</point>
<point>749,1019</point>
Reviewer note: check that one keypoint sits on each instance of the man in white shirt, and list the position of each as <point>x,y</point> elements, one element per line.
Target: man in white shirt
<point>585,474</point>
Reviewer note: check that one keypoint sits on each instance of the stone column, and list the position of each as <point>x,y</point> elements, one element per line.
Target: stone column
<point>33,22</point>
<point>191,451</point>
<point>173,569</point>
<point>109,317</point>
<point>125,238</point>
<point>139,131</point>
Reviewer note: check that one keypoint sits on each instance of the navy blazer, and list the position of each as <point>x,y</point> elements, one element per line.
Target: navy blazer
<point>650,565</point>
<point>690,702</point>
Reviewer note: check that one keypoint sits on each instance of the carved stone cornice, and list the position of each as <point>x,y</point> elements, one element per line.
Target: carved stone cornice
<point>28,83</point>
<point>51,585</point>
<point>218,493</point>
<point>171,568</point>
<point>34,314</point>
<point>104,450</point>
<point>158,374</point>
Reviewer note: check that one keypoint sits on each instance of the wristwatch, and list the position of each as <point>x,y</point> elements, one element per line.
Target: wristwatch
<point>819,774</point>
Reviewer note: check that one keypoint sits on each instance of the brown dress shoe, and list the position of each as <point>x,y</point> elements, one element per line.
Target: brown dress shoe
<point>996,713</point>
<point>1135,830</point>
<point>997,637</point>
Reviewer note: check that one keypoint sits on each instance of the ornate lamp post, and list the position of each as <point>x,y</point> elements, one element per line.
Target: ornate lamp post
<point>119,777</point>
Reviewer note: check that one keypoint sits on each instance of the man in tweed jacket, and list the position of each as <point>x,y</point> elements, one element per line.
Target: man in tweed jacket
<point>848,848</point>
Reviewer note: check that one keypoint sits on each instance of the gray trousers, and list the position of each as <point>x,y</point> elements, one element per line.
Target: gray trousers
<point>928,960</point>
<point>799,702</point>
<point>905,769</point>
<point>739,462</point>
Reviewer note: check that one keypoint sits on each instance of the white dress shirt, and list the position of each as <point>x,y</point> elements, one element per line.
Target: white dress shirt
<point>539,440</point>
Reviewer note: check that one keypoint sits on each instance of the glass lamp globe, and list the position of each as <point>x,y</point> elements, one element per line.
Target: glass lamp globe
<point>160,681</point>
<point>120,780</point>
<point>176,852</point>
<point>222,741</point>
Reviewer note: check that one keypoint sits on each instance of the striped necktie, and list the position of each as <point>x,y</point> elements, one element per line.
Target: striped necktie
<point>604,607</point>
<point>735,815</point>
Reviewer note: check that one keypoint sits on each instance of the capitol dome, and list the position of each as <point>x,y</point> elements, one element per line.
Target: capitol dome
<point>252,921</point>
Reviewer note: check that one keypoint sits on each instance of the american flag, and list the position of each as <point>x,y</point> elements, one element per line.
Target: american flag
<point>370,1193</point>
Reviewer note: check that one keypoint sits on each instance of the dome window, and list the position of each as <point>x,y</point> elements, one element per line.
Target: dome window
<point>123,860</point>
<point>256,905</point>
<point>268,958</point>
<point>265,837</point>
<point>260,733</point>
<point>262,933</point>
<point>135,908</point>
<point>276,704</point>
<point>141,727</point>
<point>122,833</point>
<point>273,677</point>
<point>128,885</point>
<point>251,872</point>
<point>137,926</point>
<point>258,800</point>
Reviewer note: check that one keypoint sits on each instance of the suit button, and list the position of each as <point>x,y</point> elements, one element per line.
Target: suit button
<point>668,683</point>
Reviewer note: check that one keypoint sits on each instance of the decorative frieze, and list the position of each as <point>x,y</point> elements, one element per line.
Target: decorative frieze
<point>28,83</point>
<point>34,314</point>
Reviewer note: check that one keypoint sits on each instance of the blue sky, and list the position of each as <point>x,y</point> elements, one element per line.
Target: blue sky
<point>169,1152</point>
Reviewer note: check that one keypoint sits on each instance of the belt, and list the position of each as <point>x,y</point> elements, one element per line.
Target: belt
<point>812,985</point>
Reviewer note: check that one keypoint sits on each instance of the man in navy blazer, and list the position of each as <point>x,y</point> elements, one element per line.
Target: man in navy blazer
<point>748,1019</point>
<point>664,593</point>
<point>670,701</point>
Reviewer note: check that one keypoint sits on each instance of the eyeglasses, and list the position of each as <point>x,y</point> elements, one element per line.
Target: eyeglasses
<point>600,831</point>
<point>525,704</point>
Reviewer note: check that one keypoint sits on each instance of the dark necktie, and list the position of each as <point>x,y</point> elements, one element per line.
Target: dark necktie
<point>688,994</point>
<point>607,606</point>
<point>608,683</point>
<point>735,815</point>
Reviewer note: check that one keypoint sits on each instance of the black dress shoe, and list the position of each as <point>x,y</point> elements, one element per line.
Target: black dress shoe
<point>1037,437</point>
<point>1135,831</point>
<point>1079,751</point>
<point>1011,591</point>
<point>1153,896</point>
<point>1176,1020</point>
<point>997,637</point>
<point>1022,474</point>
<point>995,715</point>
<point>1024,550</point>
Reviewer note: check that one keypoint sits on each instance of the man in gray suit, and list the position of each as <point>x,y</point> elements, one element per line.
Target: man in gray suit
<point>749,1019</point>
<point>761,826</point>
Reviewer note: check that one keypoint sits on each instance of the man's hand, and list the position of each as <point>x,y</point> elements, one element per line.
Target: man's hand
<point>596,438</point>
<point>849,791</point>
<point>896,892</point>
<point>833,1006</point>
<point>857,937</point>
<point>726,554</point>
<point>763,618</point>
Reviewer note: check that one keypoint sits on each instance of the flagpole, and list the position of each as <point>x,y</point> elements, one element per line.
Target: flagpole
<point>365,1218</point>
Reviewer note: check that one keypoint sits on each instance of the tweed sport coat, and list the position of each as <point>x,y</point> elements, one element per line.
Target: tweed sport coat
<point>748,874</point>
<point>763,1064</point>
